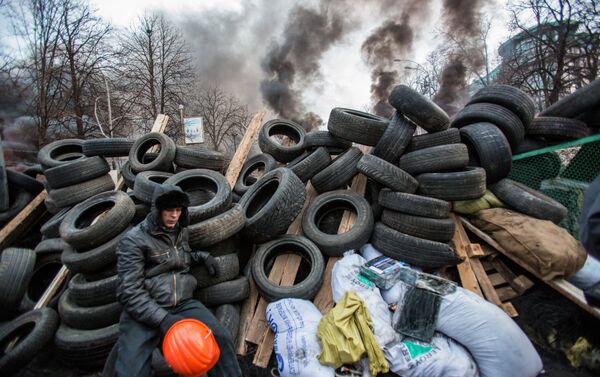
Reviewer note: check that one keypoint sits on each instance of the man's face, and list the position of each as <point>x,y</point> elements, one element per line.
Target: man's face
<point>170,216</point>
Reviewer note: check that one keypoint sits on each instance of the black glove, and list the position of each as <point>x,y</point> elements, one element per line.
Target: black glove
<point>169,321</point>
<point>211,266</point>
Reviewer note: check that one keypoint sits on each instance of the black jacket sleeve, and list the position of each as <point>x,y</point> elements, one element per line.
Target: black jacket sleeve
<point>132,292</point>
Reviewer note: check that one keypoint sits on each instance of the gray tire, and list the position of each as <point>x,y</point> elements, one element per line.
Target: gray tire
<point>16,269</point>
<point>282,153</point>
<point>557,129</point>
<point>338,201</point>
<point>272,204</point>
<point>93,293</point>
<point>228,292</point>
<point>305,289</point>
<point>416,205</point>
<point>229,268</point>
<point>529,201</point>
<point>217,229</point>
<point>356,126</point>
<point>510,97</point>
<point>229,317</point>
<point>435,159</point>
<point>451,186</point>
<point>332,144</point>
<point>146,182</point>
<point>87,318</point>
<point>395,139</point>
<point>449,136</point>
<point>71,195</point>
<point>95,259</point>
<point>264,162</point>
<point>419,109</point>
<point>339,173</point>
<point>162,162</point>
<point>583,99</point>
<point>76,171</point>
<point>198,158</point>
<point>441,230</point>
<point>60,152</point>
<point>387,174</point>
<point>108,147</point>
<point>311,164</point>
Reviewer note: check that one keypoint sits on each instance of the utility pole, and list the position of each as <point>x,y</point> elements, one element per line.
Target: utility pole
<point>182,123</point>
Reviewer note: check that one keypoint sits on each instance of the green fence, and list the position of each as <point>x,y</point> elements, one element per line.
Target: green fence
<point>562,172</point>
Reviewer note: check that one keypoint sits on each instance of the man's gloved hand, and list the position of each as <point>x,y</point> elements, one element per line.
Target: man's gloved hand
<point>169,321</point>
<point>211,266</point>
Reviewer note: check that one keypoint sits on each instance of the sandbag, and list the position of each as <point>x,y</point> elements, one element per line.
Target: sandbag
<point>540,244</point>
<point>588,275</point>
<point>345,277</point>
<point>295,322</point>
<point>442,357</point>
<point>469,207</point>
<point>495,341</point>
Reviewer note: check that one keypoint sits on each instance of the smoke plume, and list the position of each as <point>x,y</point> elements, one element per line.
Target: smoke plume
<point>393,40</point>
<point>293,63</point>
<point>462,22</point>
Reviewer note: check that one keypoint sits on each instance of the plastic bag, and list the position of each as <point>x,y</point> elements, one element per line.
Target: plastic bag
<point>295,323</point>
<point>494,340</point>
<point>442,357</point>
<point>346,277</point>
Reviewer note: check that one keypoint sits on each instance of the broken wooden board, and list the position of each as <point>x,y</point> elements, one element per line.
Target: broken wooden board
<point>465,270</point>
<point>239,158</point>
<point>562,286</point>
<point>21,223</point>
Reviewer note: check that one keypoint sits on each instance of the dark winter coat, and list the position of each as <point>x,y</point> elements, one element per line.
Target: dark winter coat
<point>589,229</point>
<point>153,265</point>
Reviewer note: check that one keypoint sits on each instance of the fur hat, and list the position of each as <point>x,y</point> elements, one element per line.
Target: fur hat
<point>172,199</point>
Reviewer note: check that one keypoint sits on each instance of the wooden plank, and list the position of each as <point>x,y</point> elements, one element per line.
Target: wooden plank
<point>465,270</point>
<point>246,314</point>
<point>560,285</point>
<point>160,123</point>
<point>506,293</point>
<point>510,309</point>
<point>474,250</point>
<point>21,223</point>
<point>58,280</point>
<point>238,159</point>
<point>520,284</point>
<point>496,279</point>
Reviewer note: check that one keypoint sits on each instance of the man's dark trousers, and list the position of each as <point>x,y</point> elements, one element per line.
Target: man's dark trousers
<point>137,341</point>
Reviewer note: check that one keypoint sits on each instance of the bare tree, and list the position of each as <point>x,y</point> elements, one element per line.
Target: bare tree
<point>224,118</point>
<point>85,52</point>
<point>556,51</point>
<point>155,67</point>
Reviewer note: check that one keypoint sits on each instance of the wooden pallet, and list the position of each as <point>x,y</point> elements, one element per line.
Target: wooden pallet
<point>473,274</point>
<point>562,286</point>
<point>255,329</point>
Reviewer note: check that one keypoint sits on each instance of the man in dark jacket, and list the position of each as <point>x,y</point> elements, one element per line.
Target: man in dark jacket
<point>155,287</point>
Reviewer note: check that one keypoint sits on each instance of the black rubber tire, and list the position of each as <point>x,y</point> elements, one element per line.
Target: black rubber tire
<point>77,229</point>
<point>108,147</point>
<point>51,207</point>
<point>128,175</point>
<point>16,269</point>
<point>356,126</point>
<point>414,204</point>
<point>510,97</point>
<point>558,129</point>
<point>266,253</point>
<point>141,209</point>
<point>228,292</point>
<point>272,204</point>
<point>4,198</point>
<point>217,229</point>
<point>263,161</point>
<point>507,121</point>
<point>395,139</point>
<point>50,246</point>
<point>227,246</point>
<point>435,159</point>
<point>199,158</point>
<point>441,230</point>
<point>530,144</point>
<point>229,268</point>
<point>333,201</point>
<point>76,172</point>
<point>35,330</point>
<point>162,162</point>
<point>51,227</point>
<point>591,118</point>
<point>50,155</point>
<point>310,165</point>
<point>208,190</point>
<point>413,250</point>
<point>87,318</point>
<point>387,174</point>
<point>229,317</point>
<point>489,148</point>
<point>332,144</point>
<point>339,173</point>
<point>461,185</point>
<point>34,170</point>
<point>449,136</point>
<point>583,99</point>
<point>19,199</point>
<point>146,182</point>
<point>528,201</point>
<point>85,348</point>
<point>71,195</point>
<point>103,273</point>
<point>282,153</point>
<point>93,293</point>
<point>23,181</point>
<point>46,267</point>
<point>94,259</point>
<point>419,109</point>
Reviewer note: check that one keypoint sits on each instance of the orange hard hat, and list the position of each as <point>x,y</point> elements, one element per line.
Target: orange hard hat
<point>190,348</point>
